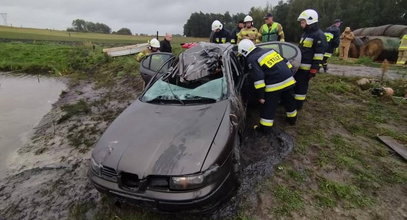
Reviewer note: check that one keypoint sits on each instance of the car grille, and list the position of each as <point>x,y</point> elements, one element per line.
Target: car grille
<point>108,172</point>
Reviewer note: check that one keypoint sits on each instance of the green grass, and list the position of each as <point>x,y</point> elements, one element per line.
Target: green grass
<point>32,34</point>
<point>287,200</point>
<point>338,161</point>
<point>41,51</point>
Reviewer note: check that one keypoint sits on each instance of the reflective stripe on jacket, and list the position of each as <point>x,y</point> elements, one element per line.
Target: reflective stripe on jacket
<point>249,33</point>
<point>221,37</point>
<point>269,70</point>
<point>272,33</point>
<point>312,45</point>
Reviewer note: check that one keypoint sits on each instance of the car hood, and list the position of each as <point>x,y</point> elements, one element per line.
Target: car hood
<point>150,139</point>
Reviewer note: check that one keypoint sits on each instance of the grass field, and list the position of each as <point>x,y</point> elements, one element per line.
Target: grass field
<point>43,51</point>
<point>56,35</point>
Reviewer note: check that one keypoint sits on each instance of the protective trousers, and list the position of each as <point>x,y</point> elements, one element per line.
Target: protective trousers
<point>301,87</point>
<point>327,55</point>
<point>286,96</point>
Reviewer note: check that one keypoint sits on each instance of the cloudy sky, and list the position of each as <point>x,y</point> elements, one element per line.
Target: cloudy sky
<point>141,16</point>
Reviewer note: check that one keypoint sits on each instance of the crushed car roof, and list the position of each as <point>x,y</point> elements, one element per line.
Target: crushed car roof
<point>200,61</point>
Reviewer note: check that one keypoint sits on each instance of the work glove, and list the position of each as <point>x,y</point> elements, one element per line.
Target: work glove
<point>312,73</point>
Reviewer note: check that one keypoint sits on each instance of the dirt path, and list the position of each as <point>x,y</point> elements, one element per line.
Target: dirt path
<point>362,71</point>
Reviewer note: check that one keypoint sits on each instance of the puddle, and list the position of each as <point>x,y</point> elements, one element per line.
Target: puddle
<point>24,100</point>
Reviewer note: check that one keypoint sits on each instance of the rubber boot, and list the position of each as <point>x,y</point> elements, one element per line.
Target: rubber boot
<point>291,120</point>
<point>325,66</point>
<point>260,129</point>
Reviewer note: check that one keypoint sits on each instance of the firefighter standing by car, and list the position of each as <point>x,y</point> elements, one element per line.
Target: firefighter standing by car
<point>220,35</point>
<point>249,32</point>
<point>154,46</point>
<point>271,30</point>
<point>332,34</point>
<point>235,32</point>
<point>312,46</point>
<point>273,81</point>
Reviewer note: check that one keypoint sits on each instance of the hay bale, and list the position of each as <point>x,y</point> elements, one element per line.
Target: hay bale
<point>396,31</point>
<point>384,30</point>
<point>380,48</point>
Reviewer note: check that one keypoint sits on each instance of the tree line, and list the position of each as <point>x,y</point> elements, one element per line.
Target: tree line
<point>354,13</point>
<point>80,25</point>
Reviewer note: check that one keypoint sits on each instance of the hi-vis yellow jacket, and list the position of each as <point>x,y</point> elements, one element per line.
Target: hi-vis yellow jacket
<point>249,33</point>
<point>272,32</point>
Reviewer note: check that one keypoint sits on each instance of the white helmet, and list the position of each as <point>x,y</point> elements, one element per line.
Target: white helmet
<point>309,15</point>
<point>245,47</point>
<point>248,18</point>
<point>216,25</point>
<point>154,43</point>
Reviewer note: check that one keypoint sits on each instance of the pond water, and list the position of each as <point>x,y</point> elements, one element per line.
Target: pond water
<point>24,100</point>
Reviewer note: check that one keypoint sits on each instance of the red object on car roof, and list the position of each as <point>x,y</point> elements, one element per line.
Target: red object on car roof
<point>188,45</point>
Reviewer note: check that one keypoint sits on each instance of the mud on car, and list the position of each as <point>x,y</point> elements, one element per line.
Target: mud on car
<point>177,146</point>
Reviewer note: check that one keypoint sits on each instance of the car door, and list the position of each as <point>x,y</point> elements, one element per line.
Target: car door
<point>153,63</point>
<point>288,50</point>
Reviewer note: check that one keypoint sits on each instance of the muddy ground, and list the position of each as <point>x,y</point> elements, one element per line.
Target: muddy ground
<point>48,175</point>
<point>48,179</point>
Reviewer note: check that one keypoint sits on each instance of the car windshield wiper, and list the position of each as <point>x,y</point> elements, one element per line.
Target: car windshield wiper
<point>163,99</point>
<point>200,99</point>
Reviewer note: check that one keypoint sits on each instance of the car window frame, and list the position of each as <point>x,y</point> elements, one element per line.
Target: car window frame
<point>280,47</point>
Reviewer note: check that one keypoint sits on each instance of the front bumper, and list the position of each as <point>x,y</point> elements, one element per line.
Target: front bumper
<point>193,201</point>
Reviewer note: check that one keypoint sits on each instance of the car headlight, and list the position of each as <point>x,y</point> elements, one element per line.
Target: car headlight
<point>193,181</point>
<point>95,166</point>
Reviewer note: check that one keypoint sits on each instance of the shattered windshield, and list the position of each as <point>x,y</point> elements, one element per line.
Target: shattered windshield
<point>197,77</point>
<point>163,91</point>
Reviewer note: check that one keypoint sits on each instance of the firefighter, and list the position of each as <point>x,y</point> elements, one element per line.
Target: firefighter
<point>233,37</point>
<point>273,81</point>
<point>271,30</point>
<point>154,46</point>
<point>332,34</point>
<point>249,32</point>
<point>220,35</point>
<point>312,46</point>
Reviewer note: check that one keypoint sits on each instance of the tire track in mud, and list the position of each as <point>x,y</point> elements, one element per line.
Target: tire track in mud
<point>259,155</point>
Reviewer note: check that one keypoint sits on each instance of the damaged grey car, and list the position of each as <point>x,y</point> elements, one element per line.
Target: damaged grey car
<point>177,146</point>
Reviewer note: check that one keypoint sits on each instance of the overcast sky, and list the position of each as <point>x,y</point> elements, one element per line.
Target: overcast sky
<point>141,16</point>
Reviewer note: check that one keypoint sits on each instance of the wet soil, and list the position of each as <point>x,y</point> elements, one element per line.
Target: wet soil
<point>48,176</point>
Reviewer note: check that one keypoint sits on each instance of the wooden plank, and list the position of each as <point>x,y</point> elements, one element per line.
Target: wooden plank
<point>393,144</point>
<point>125,50</point>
